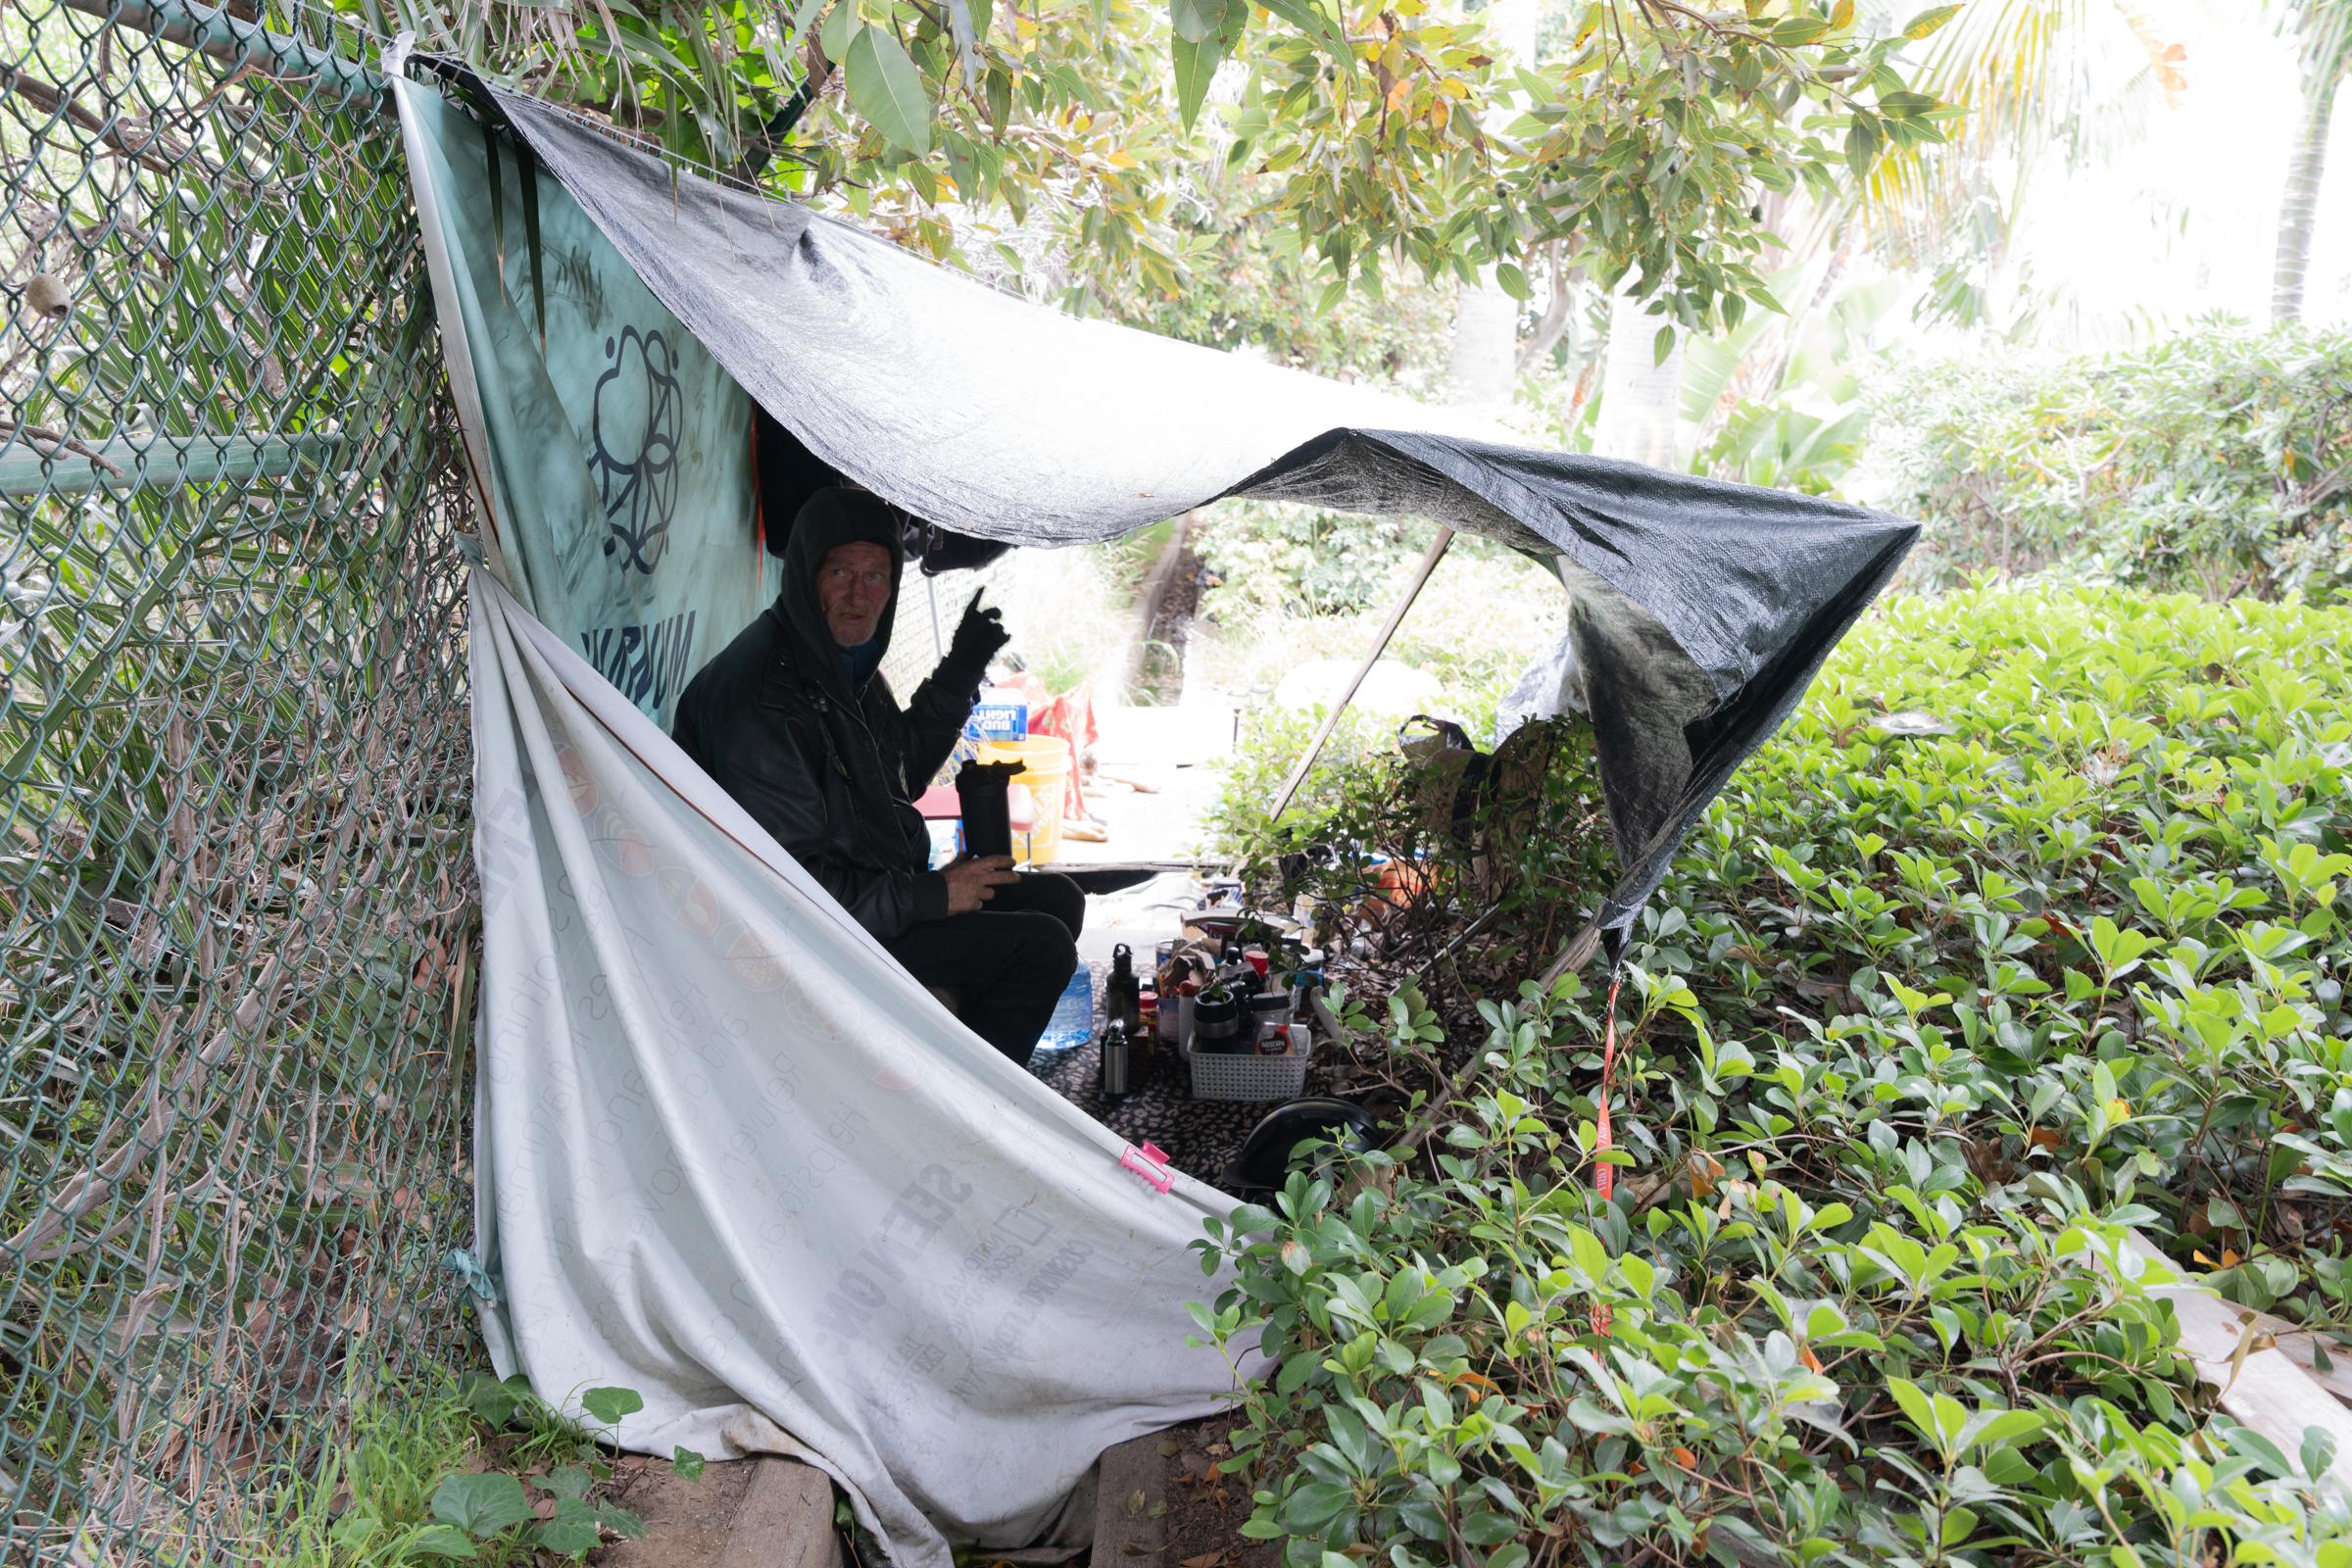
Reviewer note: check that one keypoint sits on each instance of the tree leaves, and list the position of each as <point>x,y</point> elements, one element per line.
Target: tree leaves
<point>1309,17</point>
<point>1863,144</point>
<point>1926,22</point>
<point>1198,20</point>
<point>1196,67</point>
<point>840,27</point>
<point>1197,58</point>
<point>885,87</point>
<point>1646,155</point>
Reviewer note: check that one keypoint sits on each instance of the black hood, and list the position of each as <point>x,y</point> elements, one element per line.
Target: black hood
<point>836,516</point>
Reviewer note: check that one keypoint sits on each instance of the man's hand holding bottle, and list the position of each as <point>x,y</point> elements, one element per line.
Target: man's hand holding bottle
<point>974,880</point>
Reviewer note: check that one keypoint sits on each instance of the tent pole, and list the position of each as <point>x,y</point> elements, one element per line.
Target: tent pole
<point>1380,645</point>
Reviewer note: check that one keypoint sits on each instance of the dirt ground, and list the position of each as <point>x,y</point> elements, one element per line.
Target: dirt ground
<point>1207,1510</point>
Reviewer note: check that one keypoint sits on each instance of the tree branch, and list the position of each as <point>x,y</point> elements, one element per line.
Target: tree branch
<point>150,149</point>
<point>58,442</point>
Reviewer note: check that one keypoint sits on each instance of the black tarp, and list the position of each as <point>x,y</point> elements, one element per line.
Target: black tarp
<point>1699,610</point>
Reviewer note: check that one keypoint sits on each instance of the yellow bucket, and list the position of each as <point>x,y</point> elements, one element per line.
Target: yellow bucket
<point>1046,770</point>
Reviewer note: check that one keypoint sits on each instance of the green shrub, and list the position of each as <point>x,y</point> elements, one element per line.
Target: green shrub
<point>2219,461</point>
<point>1920,1027</point>
<point>1481,619</point>
<point>1526,858</point>
<point>1302,561</point>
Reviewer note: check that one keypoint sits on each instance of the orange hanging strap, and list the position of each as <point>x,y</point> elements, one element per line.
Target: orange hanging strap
<point>1605,1174</point>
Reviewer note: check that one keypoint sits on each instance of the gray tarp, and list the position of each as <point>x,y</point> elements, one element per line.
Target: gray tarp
<point>1701,610</point>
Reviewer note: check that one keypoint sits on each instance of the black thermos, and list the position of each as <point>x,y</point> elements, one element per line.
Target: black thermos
<point>980,790</point>
<point>1115,1060</point>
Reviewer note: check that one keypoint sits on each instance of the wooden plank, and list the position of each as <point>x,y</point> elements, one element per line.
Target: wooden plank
<point>786,1520</point>
<point>2301,1347</point>
<point>762,1512</point>
<point>1130,1504</point>
<point>2259,1384</point>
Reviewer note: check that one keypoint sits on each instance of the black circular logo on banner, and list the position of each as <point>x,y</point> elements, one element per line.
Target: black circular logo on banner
<point>633,427</point>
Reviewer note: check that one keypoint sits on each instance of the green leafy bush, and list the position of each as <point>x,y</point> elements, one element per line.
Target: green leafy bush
<point>2219,461</point>
<point>1926,1021</point>
<point>1301,560</point>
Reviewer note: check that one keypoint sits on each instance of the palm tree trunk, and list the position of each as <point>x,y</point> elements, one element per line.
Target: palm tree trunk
<point>2304,169</point>
<point>1640,395</point>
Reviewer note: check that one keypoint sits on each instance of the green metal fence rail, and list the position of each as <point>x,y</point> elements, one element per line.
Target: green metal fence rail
<point>233,774</point>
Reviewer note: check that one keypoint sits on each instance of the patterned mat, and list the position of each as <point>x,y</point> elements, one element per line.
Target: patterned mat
<point>1198,1136</point>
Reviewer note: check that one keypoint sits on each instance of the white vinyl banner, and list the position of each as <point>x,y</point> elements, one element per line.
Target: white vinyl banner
<point>729,1155</point>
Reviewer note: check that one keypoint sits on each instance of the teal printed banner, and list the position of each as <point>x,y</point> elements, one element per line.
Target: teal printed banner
<point>614,452</point>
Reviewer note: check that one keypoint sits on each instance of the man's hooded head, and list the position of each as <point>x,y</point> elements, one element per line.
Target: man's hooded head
<point>841,583</point>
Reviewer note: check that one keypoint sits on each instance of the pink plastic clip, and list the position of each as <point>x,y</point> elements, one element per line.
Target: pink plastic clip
<point>1149,1164</point>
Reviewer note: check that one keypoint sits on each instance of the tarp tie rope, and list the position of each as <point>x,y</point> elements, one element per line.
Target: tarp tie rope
<point>1605,1174</point>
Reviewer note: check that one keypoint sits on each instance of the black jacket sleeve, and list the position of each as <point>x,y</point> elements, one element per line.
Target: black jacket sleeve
<point>775,767</point>
<point>935,717</point>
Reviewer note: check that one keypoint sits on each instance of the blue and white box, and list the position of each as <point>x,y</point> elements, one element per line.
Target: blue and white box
<point>1003,714</point>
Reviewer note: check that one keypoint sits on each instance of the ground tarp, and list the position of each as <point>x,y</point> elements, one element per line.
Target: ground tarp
<point>730,1155</point>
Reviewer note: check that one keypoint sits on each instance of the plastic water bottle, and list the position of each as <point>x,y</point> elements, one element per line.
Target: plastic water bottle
<point>1073,1020</point>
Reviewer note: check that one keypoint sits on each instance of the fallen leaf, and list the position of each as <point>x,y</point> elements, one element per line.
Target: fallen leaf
<point>1169,1448</point>
<point>1705,1171</point>
<point>1487,1385</point>
<point>1207,1560</point>
<point>1685,1458</point>
<point>2045,1137</point>
<point>1136,1502</point>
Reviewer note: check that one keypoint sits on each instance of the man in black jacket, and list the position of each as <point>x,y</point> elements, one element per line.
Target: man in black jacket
<point>795,721</point>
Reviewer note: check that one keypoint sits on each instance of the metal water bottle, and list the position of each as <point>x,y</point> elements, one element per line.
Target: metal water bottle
<point>1113,1085</point>
<point>1122,991</point>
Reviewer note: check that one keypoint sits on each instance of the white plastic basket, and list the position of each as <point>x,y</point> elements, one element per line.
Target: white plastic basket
<point>1219,1076</point>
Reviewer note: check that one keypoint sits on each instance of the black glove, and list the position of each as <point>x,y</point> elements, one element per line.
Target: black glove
<point>977,638</point>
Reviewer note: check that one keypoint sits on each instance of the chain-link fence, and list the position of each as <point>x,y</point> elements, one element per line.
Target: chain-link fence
<point>236,1003</point>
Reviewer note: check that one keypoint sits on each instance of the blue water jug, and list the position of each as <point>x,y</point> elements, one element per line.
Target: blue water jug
<point>1073,1020</point>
